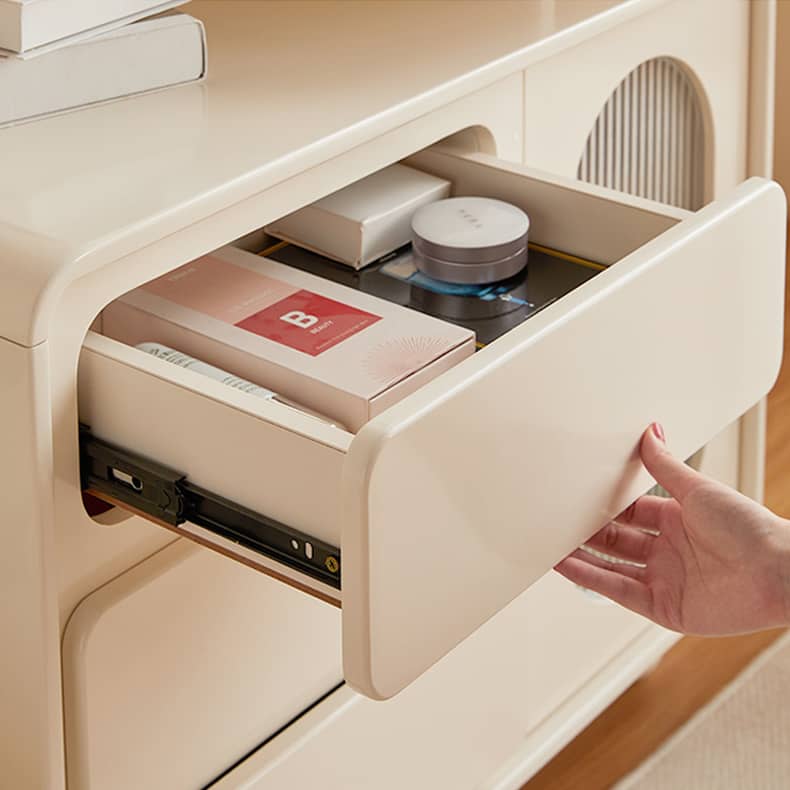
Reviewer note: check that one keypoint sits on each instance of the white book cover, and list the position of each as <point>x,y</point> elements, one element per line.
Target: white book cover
<point>28,26</point>
<point>143,56</point>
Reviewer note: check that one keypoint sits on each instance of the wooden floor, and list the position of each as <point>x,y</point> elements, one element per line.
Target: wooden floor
<point>689,675</point>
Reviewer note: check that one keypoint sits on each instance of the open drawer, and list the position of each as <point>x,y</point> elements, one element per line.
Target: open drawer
<point>449,504</point>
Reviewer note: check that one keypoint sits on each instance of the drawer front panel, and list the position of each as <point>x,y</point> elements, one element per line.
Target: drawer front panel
<point>461,496</point>
<point>179,667</point>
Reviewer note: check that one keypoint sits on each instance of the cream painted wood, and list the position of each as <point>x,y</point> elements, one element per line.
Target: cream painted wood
<point>31,732</point>
<point>567,720</point>
<point>564,94</point>
<point>751,478</point>
<point>760,151</point>
<point>512,459</point>
<point>268,113</point>
<point>88,553</point>
<point>183,665</point>
<point>781,152</point>
<point>488,709</point>
<point>571,88</point>
<point>762,88</point>
<point>566,214</point>
<point>71,238</point>
<point>566,622</point>
<point>721,456</point>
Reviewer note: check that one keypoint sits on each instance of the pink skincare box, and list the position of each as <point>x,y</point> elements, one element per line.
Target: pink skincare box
<point>345,354</point>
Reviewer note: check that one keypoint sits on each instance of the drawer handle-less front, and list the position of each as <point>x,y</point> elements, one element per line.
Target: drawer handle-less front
<point>166,496</point>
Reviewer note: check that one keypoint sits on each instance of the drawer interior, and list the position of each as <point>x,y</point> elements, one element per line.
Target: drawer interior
<point>444,507</point>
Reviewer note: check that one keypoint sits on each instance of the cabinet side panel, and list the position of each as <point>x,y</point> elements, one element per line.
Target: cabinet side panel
<point>30,700</point>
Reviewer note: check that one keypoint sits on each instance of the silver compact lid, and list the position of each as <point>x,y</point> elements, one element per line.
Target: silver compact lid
<point>469,230</point>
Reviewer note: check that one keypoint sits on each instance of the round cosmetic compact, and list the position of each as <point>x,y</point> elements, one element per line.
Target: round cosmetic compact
<point>470,240</point>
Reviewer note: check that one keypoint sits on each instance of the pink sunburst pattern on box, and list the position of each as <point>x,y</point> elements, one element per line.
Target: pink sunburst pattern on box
<point>392,360</point>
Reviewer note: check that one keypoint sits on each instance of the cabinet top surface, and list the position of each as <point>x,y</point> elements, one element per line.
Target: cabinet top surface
<point>289,85</point>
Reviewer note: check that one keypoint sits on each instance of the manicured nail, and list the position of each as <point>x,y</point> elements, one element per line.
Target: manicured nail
<point>659,432</point>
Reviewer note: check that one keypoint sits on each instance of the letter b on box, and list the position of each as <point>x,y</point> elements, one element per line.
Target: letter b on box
<point>331,322</point>
<point>300,319</point>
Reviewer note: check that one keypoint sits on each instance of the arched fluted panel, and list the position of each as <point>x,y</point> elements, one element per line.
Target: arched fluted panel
<point>648,139</point>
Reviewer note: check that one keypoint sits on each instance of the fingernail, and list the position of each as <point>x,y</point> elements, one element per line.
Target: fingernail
<point>659,431</point>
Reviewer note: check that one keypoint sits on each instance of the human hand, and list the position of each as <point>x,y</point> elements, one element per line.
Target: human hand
<point>709,561</point>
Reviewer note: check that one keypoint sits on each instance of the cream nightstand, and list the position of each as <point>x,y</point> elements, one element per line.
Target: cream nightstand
<point>138,659</point>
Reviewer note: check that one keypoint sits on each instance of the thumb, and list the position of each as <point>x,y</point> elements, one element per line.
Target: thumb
<point>668,471</point>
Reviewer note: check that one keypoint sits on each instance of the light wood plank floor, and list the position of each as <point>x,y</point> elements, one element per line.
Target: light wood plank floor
<point>689,675</point>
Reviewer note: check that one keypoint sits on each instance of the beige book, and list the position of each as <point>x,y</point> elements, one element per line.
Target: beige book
<point>30,26</point>
<point>144,56</point>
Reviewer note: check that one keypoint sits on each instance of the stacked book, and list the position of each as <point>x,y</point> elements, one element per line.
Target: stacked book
<point>57,55</point>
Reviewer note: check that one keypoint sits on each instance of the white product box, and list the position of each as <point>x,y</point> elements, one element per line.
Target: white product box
<point>366,220</point>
